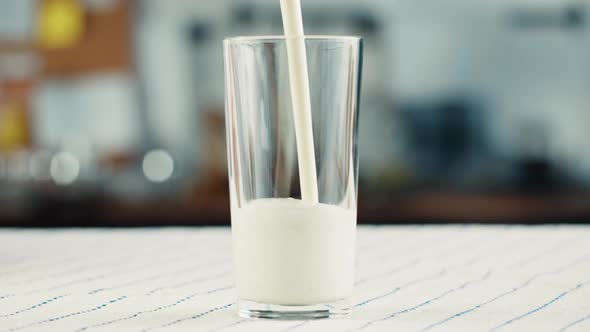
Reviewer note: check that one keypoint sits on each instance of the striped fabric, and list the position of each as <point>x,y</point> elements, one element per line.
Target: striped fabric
<point>458,278</point>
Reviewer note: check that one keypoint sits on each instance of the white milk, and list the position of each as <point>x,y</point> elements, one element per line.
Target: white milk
<point>293,252</point>
<point>300,98</point>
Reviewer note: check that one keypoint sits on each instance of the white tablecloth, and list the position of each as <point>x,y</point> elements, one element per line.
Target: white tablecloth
<point>461,278</point>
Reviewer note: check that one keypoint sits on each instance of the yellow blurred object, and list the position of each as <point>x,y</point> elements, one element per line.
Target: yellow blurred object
<point>13,127</point>
<point>61,23</point>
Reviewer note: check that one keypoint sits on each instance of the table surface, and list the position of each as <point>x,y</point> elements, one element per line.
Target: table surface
<point>413,278</point>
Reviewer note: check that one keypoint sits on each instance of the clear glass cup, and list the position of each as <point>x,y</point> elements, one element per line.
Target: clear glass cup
<point>293,259</point>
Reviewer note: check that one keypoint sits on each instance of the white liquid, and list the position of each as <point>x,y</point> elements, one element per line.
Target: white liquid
<point>292,252</point>
<point>300,98</point>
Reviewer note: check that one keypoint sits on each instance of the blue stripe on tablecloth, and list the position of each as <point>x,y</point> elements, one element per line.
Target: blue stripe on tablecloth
<point>5,296</point>
<point>389,272</point>
<point>101,276</point>
<point>34,306</point>
<point>109,263</point>
<point>485,277</point>
<point>159,276</point>
<point>296,326</point>
<point>232,324</point>
<point>506,293</point>
<point>530,259</point>
<point>139,313</point>
<point>442,272</point>
<point>77,313</point>
<point>539,308</point>
<point>433,276</point>
<point>574,323</point>
<point>192,281</point>
<point>197,316</point>
<point>455,250</point>
<point>464,285</point>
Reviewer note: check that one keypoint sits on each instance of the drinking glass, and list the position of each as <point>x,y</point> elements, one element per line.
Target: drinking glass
<point>293,259</point>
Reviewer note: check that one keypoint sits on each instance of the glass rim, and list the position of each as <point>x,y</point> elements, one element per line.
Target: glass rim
<point>279,38</point>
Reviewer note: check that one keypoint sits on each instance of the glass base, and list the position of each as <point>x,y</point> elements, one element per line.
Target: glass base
<point>252,309</point>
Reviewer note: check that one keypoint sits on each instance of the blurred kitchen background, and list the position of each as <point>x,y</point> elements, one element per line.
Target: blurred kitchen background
<point>111,111</point>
